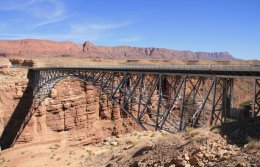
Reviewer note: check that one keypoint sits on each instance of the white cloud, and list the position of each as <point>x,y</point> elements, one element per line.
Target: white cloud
<point>50,21</point>
<point>13,5</point>
<point>77,33</point>
<point>45,11</point>
<point>95,31</point>
<point>31,36</point>
<point>104,27</point>
<point>98,27</point>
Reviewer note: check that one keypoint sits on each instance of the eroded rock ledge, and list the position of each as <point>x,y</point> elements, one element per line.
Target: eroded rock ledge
<point>74,111</point>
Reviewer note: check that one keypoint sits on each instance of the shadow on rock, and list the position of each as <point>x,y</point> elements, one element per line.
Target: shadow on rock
<point>242,131</point>
<point>16,123</point>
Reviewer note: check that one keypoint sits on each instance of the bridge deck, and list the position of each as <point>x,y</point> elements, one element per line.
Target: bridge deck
<point>219,70</point>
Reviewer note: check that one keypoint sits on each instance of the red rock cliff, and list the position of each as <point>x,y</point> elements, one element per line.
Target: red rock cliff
<point>74,111</point>
<point>31,48</point>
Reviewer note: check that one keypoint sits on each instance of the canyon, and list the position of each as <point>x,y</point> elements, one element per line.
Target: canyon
<point>129,83</point>
<point>74,112</point>
<point>77,117</point>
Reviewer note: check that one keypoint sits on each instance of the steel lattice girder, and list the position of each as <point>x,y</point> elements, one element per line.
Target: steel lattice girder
<point>256,100</point>
<point>163,101</point>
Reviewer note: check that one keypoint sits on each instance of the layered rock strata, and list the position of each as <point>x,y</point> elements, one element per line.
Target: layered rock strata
<point>74,111</point>
<point>36,48</point>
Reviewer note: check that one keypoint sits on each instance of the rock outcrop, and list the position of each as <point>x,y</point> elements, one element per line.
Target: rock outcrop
<point>74,111</point>
<point>35,48</point>
<point>4,62</point>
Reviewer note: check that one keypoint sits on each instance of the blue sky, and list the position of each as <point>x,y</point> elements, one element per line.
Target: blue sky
<point>197,25</point>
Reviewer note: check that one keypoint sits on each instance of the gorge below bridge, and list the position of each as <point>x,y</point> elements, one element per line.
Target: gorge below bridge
<point>156,97</point>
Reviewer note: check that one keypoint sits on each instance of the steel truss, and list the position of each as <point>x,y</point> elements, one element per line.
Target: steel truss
<point>160,101</point>
<point>256,100</point>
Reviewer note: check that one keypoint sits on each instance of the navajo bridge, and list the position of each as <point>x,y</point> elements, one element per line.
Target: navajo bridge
<point>158,97</point>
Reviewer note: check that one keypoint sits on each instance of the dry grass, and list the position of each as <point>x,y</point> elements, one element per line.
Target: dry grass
<point>80,61</point>
<point>77,61</point>
<point>67,61</point>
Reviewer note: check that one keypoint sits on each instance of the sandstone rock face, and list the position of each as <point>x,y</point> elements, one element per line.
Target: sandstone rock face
<point>32,48</point>
<point>4,62</point>
<point>74,112</point>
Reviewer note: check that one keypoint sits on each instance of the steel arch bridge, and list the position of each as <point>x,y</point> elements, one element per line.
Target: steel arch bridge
<point>164,98</point>
<point>161,98</point>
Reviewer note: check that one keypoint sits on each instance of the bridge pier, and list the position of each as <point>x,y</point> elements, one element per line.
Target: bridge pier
<point>256,98</point>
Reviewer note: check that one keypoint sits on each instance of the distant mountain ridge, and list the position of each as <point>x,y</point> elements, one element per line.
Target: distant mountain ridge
<point>36,48</point>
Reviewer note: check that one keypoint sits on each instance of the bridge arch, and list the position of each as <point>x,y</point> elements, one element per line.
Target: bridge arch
<point>141,93</point>
<point>43,91</point>
<point>138,91</point>
<point>142,96</point>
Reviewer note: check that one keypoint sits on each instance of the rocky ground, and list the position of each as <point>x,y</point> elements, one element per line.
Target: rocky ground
<point>199,147</point>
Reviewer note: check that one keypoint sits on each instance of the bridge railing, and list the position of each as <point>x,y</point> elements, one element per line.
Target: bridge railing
<point>216,67</point>
<point>210,67</point>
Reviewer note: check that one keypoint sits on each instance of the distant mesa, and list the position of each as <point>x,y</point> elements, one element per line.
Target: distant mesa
<point>32,48</point>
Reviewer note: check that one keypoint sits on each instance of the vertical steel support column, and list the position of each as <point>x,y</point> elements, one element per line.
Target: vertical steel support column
<point>257,96</point>
<point>159,101</point>
<point>140,96</point>
<point>213,100</point>
<point>182,105</point>
<point>112,84</point>
<point>85,76</point>
<point>231,93</point>
<point>204,115</point>
<point>203,88</point>
<point>44,77</point>
<point>93,76</point>
<point>102,80</point>
<point>48,74</point>
<point>224,100</point>
<point>254,98</point>
<point>40,77</point>
<point>112,88</point>
<point>125,104</point>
